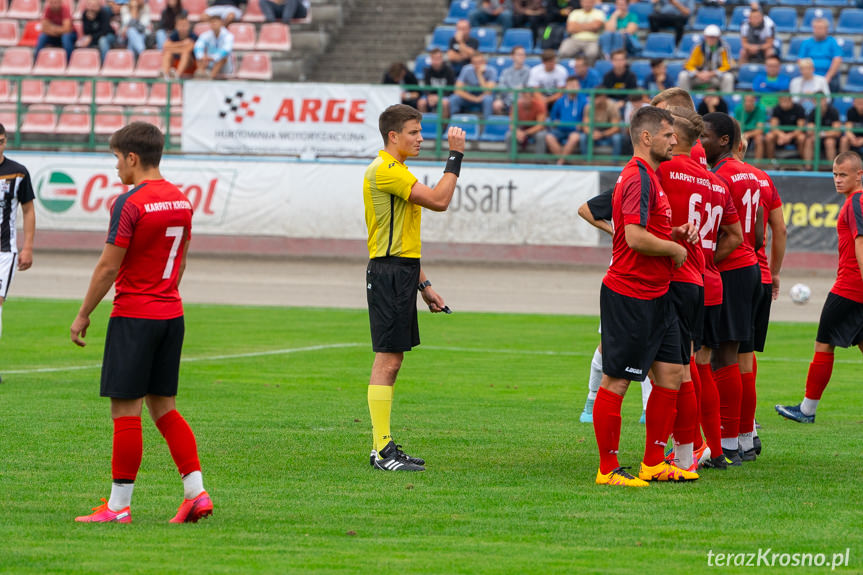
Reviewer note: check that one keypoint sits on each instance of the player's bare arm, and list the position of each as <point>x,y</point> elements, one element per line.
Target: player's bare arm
<point>438,198</point>
<point>103,278</point>
<point>858,251</point>
<point>688,232</point>
<point>25,256</point>
<point>730,236</point>
<point>587,215</point>
<point>182,268</point>
<point>776,221</point>
<point>642,241</point>
<point>759,227</point>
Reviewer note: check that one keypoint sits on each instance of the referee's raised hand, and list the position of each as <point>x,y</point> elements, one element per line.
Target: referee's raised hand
<point>455,136</point>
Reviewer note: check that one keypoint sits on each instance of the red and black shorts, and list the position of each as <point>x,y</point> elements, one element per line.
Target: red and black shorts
<point>688,300</point>
<point>841,322</point>
<point>637,332</point>
<point>762,316</point>
<point>740,289</point>
<point>391,292</point>
<point>710,328</point>
<point>142,356</point>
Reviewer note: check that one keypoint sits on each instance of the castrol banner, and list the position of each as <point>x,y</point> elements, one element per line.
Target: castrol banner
<point>305,120</point>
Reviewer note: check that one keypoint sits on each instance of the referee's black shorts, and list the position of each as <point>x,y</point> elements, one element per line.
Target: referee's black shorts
<point>142,356</point>
<point>740,288</point>
<point>841,322</point>
<point>635,333</point>
<point>688,300</point>
<point>391,292</point>
<point>762,316</point>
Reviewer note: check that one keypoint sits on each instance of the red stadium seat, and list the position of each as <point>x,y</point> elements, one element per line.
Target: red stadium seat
<point>32,91</point>
<point>253,12</point>
<point>156,7</point>
<point>119,63</point>
<point>16,61</point>
<point>3,7</point>
<point>24,10</point>
<point>244,35</point>
<point>130,94</point>
<point>31,34</point>
<point>50,62</point>
<point>149,64</point>
<point>39,119</point>
<point>176,124</point>
<point>5,90</point>
<point>8,117</point>
<point>148,114</point>
<point>104,93</point>
<point>256,66</point>
<point>195,8</point>
<point>274,36</point>
<point>159,94</point>
<point>84,62</point>
<point>74,120</point>
<point>200,28</point>
<point>109,119</point>
<point>62,92</point>
<point>8,33</point>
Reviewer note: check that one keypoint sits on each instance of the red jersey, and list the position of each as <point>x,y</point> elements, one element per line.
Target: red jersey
<point>770,200</point>
<point>697,154</point>
<point>153,222</point>
<point>687,186</point>
<point>849,227</point>
<point>746,193</point>
<point>638,199</point>
<point>720,212</point>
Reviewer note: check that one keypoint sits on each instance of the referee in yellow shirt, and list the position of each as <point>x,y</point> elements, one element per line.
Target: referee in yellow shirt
<point>393,201</point>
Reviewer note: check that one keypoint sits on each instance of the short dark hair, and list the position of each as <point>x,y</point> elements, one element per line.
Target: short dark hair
<point>548,55</point>
<point>142,139</point>
<point>773,57</point>
<point>648,118</point>
<point>618,52</point>
<point>435,51</point>
<point>516,47</point>
<point>393,119</point>
<point>656,62</point>
<point>851,157</point>
<point>2,130</point>
<point>723,125</point>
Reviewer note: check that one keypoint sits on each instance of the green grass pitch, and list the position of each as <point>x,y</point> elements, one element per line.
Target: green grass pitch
<point>490,400</point>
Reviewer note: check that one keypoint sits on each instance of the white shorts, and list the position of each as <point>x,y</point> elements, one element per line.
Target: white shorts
<point>7,271</point>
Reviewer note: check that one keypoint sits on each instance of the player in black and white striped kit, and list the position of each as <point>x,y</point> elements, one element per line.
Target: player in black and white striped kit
<point>15,189</point>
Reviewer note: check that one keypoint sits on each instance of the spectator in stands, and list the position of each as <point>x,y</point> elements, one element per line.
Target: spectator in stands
<point>437,74</point>
<point>168,21</point>
<point>283,10</point>
<point>529,14</point>
<point>228,10</point>
<point>770,81</point>
<point>550,77</point>
<point>625,23</point>
<point>399,75</point>
<point>753,119</point>
<point>658,79</point>
<point>135,25</point>
<point>57,28</point>
<point>588,77</point>
<point>213,50</point>
<point>757,37</point>
<point>620,77</point>
<point>808,82</point>
<point>824,52</point>
<point>477,74</point>
<point>584,26</point>
<point>178,51</point>
<point>557,11</point>
<point>712,103</point>
<point>605,116</point>
<point>852,139</point>
<point>831,131</point>
<point>514,78</point>
<point>530,108</point>
<point>96,27</point>
<point>709,65</point>
<point>462,47</point>
<point>565,122</point>
<point>671,14</point>
<point>496,12</point>
<point>792,117</point>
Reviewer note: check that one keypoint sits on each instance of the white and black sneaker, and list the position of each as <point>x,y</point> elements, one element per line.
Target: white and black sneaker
<point>392,458</point>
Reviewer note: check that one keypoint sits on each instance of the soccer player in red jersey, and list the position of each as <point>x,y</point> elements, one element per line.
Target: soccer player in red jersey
<point>841,321</point>
<point>144,258</point>
<point>741,281</point>
<point>639,326</point>
<point>678,97</point>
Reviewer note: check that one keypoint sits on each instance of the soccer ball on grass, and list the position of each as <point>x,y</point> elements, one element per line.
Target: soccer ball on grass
<point>800,293</point>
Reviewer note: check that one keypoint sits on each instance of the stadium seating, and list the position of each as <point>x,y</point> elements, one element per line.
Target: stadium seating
<point>9,117</point>
<point>8,33</point>
<point>707,15</point>
<point>149,64</point>
<point>39,119</point>
<point>847,45</point>
<point>200,28</point>
<point>30,37</point>
<point>516,37</point>
<point>673,69</point>
<point>175,126</point>
<point>119,63</point>
<point>74,120</point>
<point>429,126</point>
<point>610,42</point>
<point>850,21</point>
<point>687,43</point>
<point>500,63</point>
<point>16,61</point>
<point>79,9</point>
<point>467,122</point>
<point>735,45</point>
<point>785,19</point>
<point>104,92</point>
<point>5,90</point>
<point>253,12</point>
<point>130,94</point>
<point>3,7</point>
<point>440,38</point>
<point>244,35</point>
<point>854,83</point>
<point>641,69</point>
<point>84,62</point>
<point>50,62</point>
<point>459,9</point>
<point>487,38</point>
<point>813,13</point>
<point>62,92</point>
<point>108,120</point>
<point>274,36</point>
<point>32,91</point>
<point>842,106</point>
<point>255,66</point>
<point>24,10</point>
<point>746,74</point>
<point>790,70</point>
<point>159,94</point>
<point>642,10</point>
<point>659,45</point>
<point>195,8</point>
<point>738,17</point>
<point>148,114</point>
<point>495,129</point>
<point>791,55</point>
<point>602,67</point>
<point>422,62</point>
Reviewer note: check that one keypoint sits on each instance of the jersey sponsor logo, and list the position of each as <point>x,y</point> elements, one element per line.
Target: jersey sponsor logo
<point>167,206</point>
<point>57,191</point>
<point>318,110</point>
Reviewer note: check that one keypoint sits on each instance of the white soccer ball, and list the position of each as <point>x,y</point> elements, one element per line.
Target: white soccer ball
<point>800,293</point>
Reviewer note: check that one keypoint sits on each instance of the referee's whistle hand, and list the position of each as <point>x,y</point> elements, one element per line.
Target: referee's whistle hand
<point>455,136</point>
<point>78,331</point>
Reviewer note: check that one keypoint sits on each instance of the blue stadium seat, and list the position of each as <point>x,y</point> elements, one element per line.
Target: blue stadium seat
<point>659,45</point>
<point>735,45</point>
<point>746,74</point>
<point>813,13</point>
<point>495,129</point>
<point>854,83</point>
<point>487,38</point>
<point>687,43</point>
<point>642,10</point>
<point>795,2</point>
<point>847,45</point>
<point>732,101</point>
<point>707,15</point>
<point>458,10</point>
<point>850,21</point>
<point>429,126</point>
<point>500,63</point>
<point>420,64</point>
<point>791,55</point>
<point>516,37</point>
<point>785,19</point>
<point>609,42</point>
<point>467,122</point>
<point>842,106</point>
<point>839,3</point>
<point>602,67</point>
<point>738,17</point>
<point>440,38</point>
<point>790,70</point>
<point>641,69</point>
<point>673,69</point>
<point>532,61</point>
<point>607,9</point>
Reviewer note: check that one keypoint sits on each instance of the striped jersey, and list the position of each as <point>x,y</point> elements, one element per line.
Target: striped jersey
<point>392,221</point>
<point>15,188</point>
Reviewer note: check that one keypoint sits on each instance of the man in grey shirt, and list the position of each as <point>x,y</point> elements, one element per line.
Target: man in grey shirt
<point>514,77</point>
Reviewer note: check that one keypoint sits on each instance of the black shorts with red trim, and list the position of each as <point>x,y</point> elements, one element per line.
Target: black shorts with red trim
<point>740,289</point>
<point>688,301</point>
<point>762,316</point>
<point>841,322</point>
<point>710,329</point>
<point>637,332</point>
<point>391,292</point>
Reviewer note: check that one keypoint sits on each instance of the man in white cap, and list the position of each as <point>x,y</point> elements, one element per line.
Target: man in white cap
<point>709,65</point>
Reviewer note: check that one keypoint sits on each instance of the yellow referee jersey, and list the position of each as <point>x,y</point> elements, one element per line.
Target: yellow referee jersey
<point>393,222</point>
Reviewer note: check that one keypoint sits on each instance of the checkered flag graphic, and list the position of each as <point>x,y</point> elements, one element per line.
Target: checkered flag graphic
<point>239,107</point>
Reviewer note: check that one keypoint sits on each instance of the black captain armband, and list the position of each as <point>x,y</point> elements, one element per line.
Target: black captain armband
<point>453,163</point>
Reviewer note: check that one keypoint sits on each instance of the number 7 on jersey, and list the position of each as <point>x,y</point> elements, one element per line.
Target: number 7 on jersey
<point>177,233</point>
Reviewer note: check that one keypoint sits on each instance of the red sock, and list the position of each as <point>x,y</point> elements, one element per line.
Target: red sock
<point>696,382</point>
<point>820,371</point>
<point>181,441</point>
<point>659,419</point>
<point>684,422</point>
<point>747,403</point>
<point>128,448</point>
<point>606,426</point>
<point>710,410</point>
<point>730,388</point>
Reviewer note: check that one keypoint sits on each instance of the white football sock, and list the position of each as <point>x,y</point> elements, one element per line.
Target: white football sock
<point>121,496</point>
<point>595,374</point>
<point>646,386</point>
<point>746,441</point>
<point>729,443</point>
<point>193,484</point>
<point>808,406</point>
<point>683,455</point>
<point>754,429</point>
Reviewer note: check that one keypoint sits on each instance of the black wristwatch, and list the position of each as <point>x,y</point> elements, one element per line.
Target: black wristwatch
<point>423,285</point>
